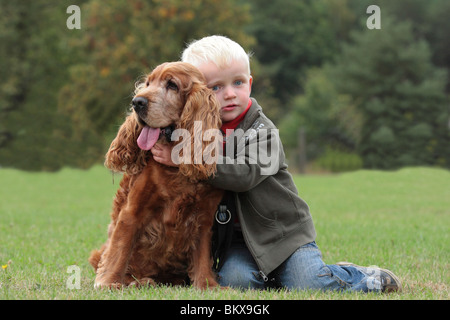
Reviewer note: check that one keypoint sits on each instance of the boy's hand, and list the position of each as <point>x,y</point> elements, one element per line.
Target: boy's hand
<point>162,154</point>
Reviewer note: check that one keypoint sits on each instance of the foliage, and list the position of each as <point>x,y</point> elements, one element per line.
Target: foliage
<point>401,95</point>
<point>32,64</point>
<point>124,40</point>
<point>328,118</point>
<point>338,161</point>
<point>291,38</point>
<point>429,21</point>
<point>64,92</point>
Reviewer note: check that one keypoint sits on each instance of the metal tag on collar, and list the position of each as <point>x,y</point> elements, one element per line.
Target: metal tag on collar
<point>223,215</point>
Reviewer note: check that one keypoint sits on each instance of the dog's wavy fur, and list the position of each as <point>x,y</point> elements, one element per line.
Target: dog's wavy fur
<point>162,216</point>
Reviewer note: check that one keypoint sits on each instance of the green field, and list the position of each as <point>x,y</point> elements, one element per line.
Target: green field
<point>397,220</point>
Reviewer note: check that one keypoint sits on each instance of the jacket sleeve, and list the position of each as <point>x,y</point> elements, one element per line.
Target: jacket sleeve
<point>259,154</point>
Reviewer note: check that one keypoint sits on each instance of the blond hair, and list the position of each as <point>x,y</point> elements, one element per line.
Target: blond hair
<point>220,50</point>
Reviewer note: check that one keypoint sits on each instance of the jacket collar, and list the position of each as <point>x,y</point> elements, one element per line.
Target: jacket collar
<point>252,114</point>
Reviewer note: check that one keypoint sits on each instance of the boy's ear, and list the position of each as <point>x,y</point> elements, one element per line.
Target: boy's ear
<point>250,82</point>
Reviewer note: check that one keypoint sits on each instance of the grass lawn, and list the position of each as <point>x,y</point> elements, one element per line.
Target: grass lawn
<point>397,220</point>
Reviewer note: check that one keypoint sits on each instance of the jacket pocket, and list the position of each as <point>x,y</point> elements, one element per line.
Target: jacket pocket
<point>256,209</point>
<point>275,206</point>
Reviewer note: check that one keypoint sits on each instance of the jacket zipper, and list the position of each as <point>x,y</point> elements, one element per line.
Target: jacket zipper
<point>261,273</point>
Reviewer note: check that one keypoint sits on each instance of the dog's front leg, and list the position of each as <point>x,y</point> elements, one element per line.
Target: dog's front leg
<point>114,260</point>
<point>201,273</point>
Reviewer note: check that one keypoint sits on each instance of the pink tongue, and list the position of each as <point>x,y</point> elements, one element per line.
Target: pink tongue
<point>148,138</point>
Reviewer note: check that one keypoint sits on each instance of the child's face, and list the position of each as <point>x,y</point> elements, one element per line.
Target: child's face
<point>232,86</point>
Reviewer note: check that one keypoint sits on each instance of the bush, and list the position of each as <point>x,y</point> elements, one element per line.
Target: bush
<point>338,161</point>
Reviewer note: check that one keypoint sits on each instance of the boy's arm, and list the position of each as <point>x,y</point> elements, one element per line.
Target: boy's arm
<point>162,154</point>
<point>237,177</point>
<point>262,156</point>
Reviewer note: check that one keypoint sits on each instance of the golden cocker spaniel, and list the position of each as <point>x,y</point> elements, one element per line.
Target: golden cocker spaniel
<point>162,216</point>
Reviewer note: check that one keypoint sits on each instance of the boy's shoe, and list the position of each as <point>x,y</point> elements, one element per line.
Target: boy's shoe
<point>389,281</point>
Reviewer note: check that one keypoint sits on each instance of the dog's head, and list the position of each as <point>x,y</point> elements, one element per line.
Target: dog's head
<point>173,96</point>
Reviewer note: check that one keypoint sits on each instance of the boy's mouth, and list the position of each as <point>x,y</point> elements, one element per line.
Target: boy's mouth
<point>230,107</point>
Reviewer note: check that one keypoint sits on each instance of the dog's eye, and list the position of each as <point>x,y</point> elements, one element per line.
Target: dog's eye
<point>172,85</point>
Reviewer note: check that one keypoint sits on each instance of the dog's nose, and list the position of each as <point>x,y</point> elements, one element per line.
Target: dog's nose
<point>139,103</point>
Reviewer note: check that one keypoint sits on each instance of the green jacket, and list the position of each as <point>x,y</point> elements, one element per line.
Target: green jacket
<point>275,221</point>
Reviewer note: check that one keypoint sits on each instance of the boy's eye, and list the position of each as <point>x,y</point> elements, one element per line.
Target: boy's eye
<point>215,88</point>
<point>238,82</point>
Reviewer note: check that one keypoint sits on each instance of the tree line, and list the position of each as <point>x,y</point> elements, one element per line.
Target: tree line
<point>367,98</point>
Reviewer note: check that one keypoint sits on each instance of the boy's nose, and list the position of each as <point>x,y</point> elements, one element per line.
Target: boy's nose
<point>229,92</point>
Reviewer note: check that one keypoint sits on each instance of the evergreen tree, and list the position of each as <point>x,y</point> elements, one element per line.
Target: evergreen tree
<point>401,95</point>
<point>294,36</point>
<point>33,63</point>
<point>328,118</point>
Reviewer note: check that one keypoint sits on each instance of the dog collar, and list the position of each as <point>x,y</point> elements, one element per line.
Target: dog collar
<point>167,132</point>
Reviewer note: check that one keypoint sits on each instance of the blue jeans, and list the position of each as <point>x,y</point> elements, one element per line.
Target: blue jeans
<point>304,269</point>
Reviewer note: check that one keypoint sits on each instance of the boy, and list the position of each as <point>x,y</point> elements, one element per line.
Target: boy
<point>264,233</point>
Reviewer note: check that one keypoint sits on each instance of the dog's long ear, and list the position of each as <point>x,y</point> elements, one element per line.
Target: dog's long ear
<point>124,155</point>
<point>201,117</point>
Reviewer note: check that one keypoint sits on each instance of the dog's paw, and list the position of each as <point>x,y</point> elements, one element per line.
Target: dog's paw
<point>143,282</point>
<point>103,281</point>
<point>205,283</point>
<point>112,285</point>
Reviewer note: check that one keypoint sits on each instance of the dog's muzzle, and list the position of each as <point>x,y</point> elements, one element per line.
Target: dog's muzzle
<point>139,104</point>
